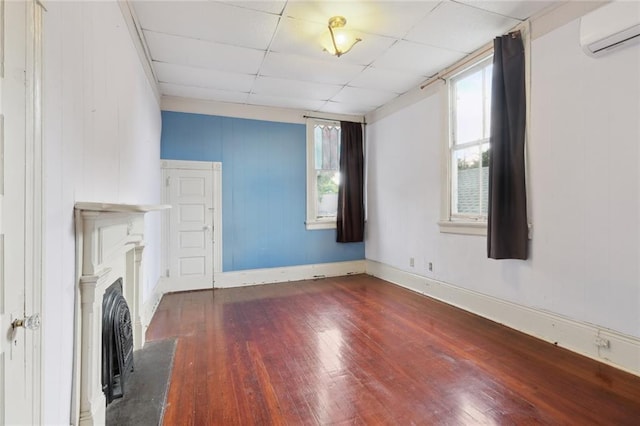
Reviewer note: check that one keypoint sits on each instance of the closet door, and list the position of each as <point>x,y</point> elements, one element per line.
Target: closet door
<point>192,245</point>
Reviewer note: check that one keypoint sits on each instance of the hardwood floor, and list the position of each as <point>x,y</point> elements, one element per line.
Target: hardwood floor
<point>358,350</point>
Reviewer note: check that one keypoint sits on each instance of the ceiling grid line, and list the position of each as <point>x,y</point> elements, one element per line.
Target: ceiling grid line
<point>269,53</point>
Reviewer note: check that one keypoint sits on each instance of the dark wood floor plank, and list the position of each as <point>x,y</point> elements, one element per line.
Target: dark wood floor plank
<point>358,350</point>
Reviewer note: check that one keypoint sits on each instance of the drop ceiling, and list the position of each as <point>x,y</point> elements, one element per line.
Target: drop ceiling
<point>268,53</point>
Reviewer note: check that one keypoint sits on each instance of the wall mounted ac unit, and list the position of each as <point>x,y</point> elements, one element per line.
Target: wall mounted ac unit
<point>611,26</point>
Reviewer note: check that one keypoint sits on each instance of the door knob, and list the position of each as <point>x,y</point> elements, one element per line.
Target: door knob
<point>30,323</point>
<point>207,227</point>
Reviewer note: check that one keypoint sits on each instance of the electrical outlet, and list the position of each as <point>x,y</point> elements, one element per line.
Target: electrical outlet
<point>430,267</point>
<point>411,262</point>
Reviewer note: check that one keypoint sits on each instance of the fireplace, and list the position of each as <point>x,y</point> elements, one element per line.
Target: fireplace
<point>109,247</point>
<point>117,342</point>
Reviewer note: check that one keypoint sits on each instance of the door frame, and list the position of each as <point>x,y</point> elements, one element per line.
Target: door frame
<point>216,168</point>
<point>34,223</point>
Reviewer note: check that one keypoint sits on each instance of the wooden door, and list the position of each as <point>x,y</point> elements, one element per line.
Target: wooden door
<point>20,207</point>
<point>193,227</point>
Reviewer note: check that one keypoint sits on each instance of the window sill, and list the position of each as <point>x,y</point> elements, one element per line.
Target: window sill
<point>320,224</point>
<point>468,228</point>
<point>463,227</point>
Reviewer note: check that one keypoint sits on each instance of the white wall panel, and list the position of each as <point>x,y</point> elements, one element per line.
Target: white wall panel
<point>585,135</point>
<point>101,138</point>
<point>585,192</point>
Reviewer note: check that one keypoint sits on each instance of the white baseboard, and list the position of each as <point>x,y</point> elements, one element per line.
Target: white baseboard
<point>149,308</point>
<point>623,351</point>
<point>265,276</point>
<point>289,273</point>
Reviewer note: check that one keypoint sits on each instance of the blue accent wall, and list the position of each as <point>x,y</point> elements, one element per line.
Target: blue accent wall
<point>263,189</point>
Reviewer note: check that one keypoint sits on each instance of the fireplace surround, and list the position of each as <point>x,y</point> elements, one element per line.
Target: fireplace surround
<point>109,248</point>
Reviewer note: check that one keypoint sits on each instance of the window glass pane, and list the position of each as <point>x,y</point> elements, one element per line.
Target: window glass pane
<point>484,148</point>
<point>467,181</point>
<point>487,99</point>
<point>330,142</point>
<point>327,165</point>
<point>327,184</point>
<point>317,143</point>
<point>327,146</point>
<point>469,108</point>
<point>484,198</point>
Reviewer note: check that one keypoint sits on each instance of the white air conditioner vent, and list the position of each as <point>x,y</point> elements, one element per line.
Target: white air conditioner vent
<point>609,27</point>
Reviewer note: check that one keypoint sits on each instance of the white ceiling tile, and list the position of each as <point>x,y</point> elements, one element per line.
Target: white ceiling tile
<point>201,77</point>
<point>356,95</point>
<point>386,79</point>
<point>202,93</point>
<point>294,89</point>
<point>460,27</point>
<point>303,68</point>
<point>285,102</point>
<point>366,51</point>
<point>417,58</point>
<point>519,9</point>
<point>203,54</point>
<point>300,37</point>
<point>274,7</point>
<point>308,39</point>
<point>271,52</point>
<point>388,18</point>
<point>346,108</point>
<point>208,20</point>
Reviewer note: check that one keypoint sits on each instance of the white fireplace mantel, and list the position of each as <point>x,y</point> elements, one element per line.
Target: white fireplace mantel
<point>109,246</point>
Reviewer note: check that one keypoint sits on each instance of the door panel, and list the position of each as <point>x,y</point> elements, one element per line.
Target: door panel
<point>16,379</point>
<point>193,266</point>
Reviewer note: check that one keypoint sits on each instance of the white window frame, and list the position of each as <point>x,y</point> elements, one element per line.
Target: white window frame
<point>313,222</point>
<point>449,222</point>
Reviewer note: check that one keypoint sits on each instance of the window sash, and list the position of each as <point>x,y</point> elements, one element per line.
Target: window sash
<point>317,165</point>
<point>482,202</point>
<point>455,147</point>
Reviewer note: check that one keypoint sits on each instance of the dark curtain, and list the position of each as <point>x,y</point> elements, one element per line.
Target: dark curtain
<point>507,232</point>
<point>350,219</point>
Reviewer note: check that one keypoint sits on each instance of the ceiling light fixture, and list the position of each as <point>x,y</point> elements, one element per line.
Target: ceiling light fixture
<point>341,40</point>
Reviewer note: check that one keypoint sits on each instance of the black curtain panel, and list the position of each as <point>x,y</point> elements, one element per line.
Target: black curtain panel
<point>350,219</point>
<point>507,232</point>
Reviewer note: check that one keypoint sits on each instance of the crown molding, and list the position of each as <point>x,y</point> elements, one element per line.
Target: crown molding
<point>253,112</point>
<point>135,31</point>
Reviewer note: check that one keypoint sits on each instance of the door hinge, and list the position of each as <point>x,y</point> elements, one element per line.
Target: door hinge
<point>168,181</point>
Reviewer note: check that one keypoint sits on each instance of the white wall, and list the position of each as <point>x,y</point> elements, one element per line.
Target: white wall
<point>585,191</point>
<point>102,143</point>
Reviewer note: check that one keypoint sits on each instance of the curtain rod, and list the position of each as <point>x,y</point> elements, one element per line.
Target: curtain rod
<point>464,61</point>
<point>455,67</point>
<point>331,119</point>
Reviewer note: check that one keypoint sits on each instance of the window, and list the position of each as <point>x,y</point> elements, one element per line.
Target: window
<point>323,173</point>
<point>468,150</point>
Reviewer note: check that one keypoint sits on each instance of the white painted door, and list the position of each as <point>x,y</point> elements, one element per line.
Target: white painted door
<point>193,225</point>
<point>20,233</point>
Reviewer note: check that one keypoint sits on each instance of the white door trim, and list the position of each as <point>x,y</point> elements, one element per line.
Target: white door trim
<point>216,167</point>
<point>34,197</point>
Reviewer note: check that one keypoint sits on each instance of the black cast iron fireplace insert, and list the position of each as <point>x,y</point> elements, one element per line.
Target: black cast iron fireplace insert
<point>117,342</point>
